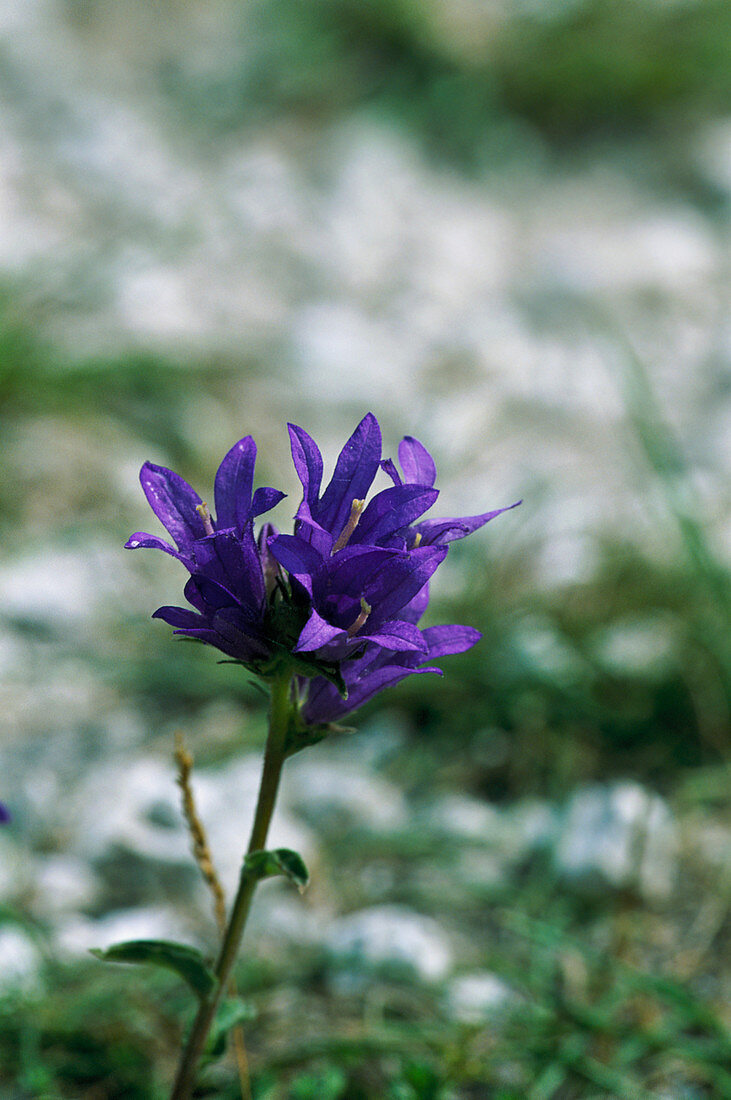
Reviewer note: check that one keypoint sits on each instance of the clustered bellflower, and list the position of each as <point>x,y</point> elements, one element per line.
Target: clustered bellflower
<point>340,599</point>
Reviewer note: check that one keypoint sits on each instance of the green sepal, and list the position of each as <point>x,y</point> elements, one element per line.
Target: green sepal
<point>230,1013</point>
<point>286,616</point>
<point>280,861</point>
<point>186,961</point>
<point>301,737</point>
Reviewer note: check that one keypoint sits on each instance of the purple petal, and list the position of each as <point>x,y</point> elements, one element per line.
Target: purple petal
<point>441,531</point>
<point>416,462</point>
<point>443,640</point>
<point>264,499</point>
<point>396,636</point>
<point>391,510</point>
<point>416,607</point>
<point>213,595</point>
<point>307,462</point>
<point>173,502</point>
<point>269,564</point>
<point>324,704</point>
<point>394,587</point>
<point>437,532</point>
<point>307,529</point>
<point>141,540</point>
<point>267,532</point>
<point>180,617</point>
<point>298,558</point>
<point>234,563</point>
<point>239,634</point>
<point>4,814</point>
<point>389,466</point>
<point>212,637</point>
<point>193,596</point>
<point>355,469</point>
<point>317,633</point>
<point>233,484</point>
<point>352,569</point>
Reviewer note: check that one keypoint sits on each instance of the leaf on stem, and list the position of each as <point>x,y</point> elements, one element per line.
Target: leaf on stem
<point>231,1012</point>
<point>187,962</point>
<point>280,861</point>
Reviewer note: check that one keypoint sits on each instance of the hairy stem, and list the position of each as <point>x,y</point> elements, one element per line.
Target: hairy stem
<point>274,756</point>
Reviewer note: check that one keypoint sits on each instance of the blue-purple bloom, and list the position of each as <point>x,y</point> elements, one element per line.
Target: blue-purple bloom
<point>366,568</point>
<point>227,586</point>
<point>4,814</point>
<point>339,601</point>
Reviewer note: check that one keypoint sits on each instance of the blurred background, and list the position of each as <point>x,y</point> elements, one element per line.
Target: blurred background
<point>502,226</point>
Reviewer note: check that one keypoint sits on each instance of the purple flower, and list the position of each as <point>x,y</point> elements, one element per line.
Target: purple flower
<point>229,570</point>
<point>366,568</point>
<point>4,814</point>
<point>339,601</point>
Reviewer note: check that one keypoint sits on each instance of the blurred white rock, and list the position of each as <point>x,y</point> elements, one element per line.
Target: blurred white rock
<point>281,916</point>
<point>644,647</point>
<point>391,938</point>
<point>478,997</point>
<point>459,815</point>
<point>20,960</point>
<point>531,824</point>
<point>63,883</point>
<point>713,153</point>
<point>131,804</point>
<point>482,870</point>
<point>17,866</point>
<point>618,837</point>
<point>76,936</point>
<point>332,793</point>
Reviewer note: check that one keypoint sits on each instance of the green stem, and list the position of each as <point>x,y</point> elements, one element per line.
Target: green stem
<point>274,757</point>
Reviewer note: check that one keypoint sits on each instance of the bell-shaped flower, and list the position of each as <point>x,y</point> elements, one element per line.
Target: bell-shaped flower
<point>361,564</point>
<point>338,601</point>
<point>227,588</point>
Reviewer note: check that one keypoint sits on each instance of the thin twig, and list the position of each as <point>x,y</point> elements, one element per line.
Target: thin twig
<point>201,850</point>
<point>202,854</point>
<point>274,757</point>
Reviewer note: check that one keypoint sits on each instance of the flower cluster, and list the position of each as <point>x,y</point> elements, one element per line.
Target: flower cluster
<point>340,599</point>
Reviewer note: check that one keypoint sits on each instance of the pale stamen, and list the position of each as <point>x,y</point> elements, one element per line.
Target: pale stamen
<point>344,536</point>
<point>202,510</point>
<point>417,540</point>
<point>365,610</point>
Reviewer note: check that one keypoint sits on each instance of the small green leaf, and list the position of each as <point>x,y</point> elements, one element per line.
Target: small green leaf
<point>280,861</point>
<point>292,865</point>
<point>186,961</point>
<point>231,1012</point>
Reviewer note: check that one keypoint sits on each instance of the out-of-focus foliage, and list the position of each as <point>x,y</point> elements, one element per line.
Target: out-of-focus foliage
<point>453,71</point>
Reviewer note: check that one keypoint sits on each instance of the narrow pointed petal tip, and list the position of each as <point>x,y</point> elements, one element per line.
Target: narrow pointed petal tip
<point>142,541</point>
<point>443,641</point>
<point>234,484</point>
<point>416,462</point>
<point>307,462</point>
<point>353,476</point>
<point>438,532</point>
<point>174,503</point>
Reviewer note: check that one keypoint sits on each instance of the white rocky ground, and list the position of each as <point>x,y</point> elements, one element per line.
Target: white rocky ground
<point>486,317</point>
